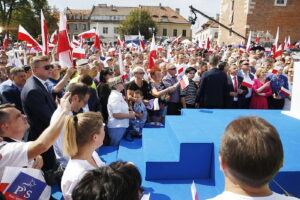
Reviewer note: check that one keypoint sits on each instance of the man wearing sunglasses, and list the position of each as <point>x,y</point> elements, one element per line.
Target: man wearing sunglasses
<point>38,103</point>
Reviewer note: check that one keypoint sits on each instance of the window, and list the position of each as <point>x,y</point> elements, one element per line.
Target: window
<point>84,27</point>
<point>105,30</point>
<point>165,32</point>
<point>115,30</point>
<point>231,15</point>
<point>183,33</point>
<point>280,2</point>
<point>216,35</point>
<point>75,27</point>
<point>175,32</point>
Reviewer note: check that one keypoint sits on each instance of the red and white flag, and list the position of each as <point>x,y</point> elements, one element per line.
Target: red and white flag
<point>75,43</point>
<point>63,47</point>
<point>287,43</point>
<point>194,191</point>
<point>276,43</point>
<point>111,51</point>
<point>121,67</point>
<point>97,42</point>
<point>207,44</point>
<point>152,56</point>
<point>184,82</point>
<point>78,52</point>
<point>176,40</point>
<point>276,69</point>
<point>5,43</point>
<point>285,91</point>
<point>119,42</point>
<point>44,31</point>
<point>25,36</point>
<point>247,82</point>
<point>278,52</point>
<point>53,38</point>
<point>142,44</point>
<point>249,42</point>
<point>257,39</point>
<point>88,34</point>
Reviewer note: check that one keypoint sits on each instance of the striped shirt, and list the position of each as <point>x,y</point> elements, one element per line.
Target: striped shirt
<point>189,93</point>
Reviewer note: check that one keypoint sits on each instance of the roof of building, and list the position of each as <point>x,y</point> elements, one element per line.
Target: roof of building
<point>210,23</point>
<point>103,9</point>
<point>165,14</point>
<point>77,11</point>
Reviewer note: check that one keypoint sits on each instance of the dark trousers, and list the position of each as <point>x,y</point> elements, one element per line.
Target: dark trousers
<point>174,108</point>
<point>276,104</point>
<point>190,105</point>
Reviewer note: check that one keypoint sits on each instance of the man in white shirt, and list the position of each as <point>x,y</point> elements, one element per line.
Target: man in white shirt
<point>251,154</point>
<point>79,98</point>
<point>13,125</point>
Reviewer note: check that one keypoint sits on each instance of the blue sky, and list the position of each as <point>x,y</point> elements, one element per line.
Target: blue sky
<point>209,7</point>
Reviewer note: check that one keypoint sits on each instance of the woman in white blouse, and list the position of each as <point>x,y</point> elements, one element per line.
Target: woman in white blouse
<point>84,134</point>
<point>118,112</point>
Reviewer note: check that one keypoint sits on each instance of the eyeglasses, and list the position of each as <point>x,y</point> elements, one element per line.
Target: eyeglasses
<point>172,69</point>
<point>47,67</point>
<point>140,73</point>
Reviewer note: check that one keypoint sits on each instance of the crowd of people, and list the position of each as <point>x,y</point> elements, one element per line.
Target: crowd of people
<point>55,118</point>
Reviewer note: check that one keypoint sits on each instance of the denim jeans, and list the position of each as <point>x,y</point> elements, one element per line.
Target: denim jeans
<point>116,135</point>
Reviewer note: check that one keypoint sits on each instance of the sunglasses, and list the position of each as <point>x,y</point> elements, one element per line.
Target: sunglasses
<point>172,68</point>
<point>140,73</point>
<point>47,67</point>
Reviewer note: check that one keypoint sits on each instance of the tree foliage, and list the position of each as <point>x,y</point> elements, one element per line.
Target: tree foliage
<point>27,13</point>
<point>137,20</point>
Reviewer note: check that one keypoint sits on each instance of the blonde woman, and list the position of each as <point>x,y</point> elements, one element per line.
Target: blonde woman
<point>84,134</point>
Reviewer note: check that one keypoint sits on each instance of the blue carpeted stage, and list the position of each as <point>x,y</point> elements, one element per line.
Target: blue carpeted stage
<point>187,149</point>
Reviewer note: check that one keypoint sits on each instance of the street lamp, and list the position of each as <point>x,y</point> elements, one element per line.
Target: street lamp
<point>151,30</point>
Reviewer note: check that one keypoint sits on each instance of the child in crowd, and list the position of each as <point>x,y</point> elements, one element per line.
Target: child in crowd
<point>141,114</point>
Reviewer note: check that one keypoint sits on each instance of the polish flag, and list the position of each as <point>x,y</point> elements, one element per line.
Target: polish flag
<point>88,34</point>
<point>111,51</point>
<point>63,46</point>
<point>249,42</point>
<point>276,43</point>
<point>176,40</point>
<point>75,43</point>
<point>97,42</point>
<point>285,91</point>
<point>121,67</point>
<point>184,82</point>
<point>276,69</point>
<point>25,36</point>
<point>247,82</point>
<point>51,46</point>
<point>53,38</point>
<point>119,42</point>
<point>152,53</point>
<point>207,45</point>
<point>194,191</point>
<point>5,43</point>
<point>257,39</point>
<point>287,43</point>
<point>79,53</point>
<point>142,44</point>
<point>278,52</point>
<point>159,48</point>
<point>180,70</point>
<point>44,32</point>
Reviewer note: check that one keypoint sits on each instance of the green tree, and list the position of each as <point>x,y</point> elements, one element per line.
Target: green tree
<point>137,20</point>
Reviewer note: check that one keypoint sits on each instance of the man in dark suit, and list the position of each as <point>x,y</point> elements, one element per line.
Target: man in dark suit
<point>213,88</point>
<point>12,93</point>
<point>237,92</point>
<point>38,103</point>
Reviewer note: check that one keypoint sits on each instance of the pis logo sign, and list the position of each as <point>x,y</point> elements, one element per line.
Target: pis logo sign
<point>25,187</point>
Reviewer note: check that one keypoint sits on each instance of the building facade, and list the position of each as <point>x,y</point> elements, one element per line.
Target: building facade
<point>170,24</point>
<point>77,21</point>
<point>262,17</point>
<point>208,29</point>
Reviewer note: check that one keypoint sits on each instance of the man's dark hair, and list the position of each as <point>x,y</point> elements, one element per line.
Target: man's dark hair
<point>79,89</point>
<point>252,149</point>
<point>214,60</point>
<point>86,79</point>
<point>190,69</point>
<point>103,73</point>
<point>14,71</point>
<point>118,181</point>
<point>222,66</point>
<point>4,115</point>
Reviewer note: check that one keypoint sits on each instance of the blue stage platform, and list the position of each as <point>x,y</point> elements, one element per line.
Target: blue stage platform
<point>186,149</point>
